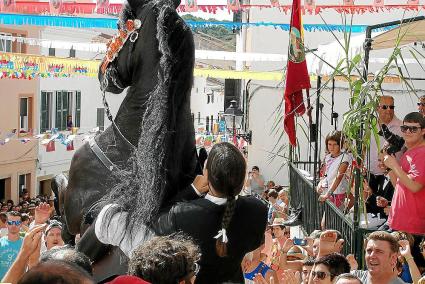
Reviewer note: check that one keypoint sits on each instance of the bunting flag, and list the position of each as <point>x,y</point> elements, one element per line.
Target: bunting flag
<point>25,66</point>
<point>70,146</point>
<point>50,147</point>
<point>297,77</point>
<point>191,6</point>
<point>55,6</point>
<point>347,2</point>
<point>378,3</point>
<point>233,5</point>
<point>309,5</point>
<point>8,5</point>
<point>412,2</point>
<point>275,3</point>
<point>102,6</point>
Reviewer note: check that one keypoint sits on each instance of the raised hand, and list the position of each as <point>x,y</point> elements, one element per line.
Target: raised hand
<point>290,277</point>
<point>42,213</point>
<point>404,248</point>
<point>259,279</point>
<point>201,184</point>
<point>352,261</point>
<point>32,241</point>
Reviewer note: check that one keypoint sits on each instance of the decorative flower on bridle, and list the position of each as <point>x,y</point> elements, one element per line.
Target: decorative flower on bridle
<point>114,46</point>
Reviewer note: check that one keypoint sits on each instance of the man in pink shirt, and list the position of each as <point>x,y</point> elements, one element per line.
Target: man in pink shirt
<point>408,204</point>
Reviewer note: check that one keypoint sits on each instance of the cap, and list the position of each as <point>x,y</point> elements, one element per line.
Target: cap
<point>53,224</point>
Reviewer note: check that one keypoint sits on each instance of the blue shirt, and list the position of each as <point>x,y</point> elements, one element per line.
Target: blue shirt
<point>8,252</point>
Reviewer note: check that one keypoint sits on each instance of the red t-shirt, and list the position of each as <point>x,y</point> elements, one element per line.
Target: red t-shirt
<point>408,208</point>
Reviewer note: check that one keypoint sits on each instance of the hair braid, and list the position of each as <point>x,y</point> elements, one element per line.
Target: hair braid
<point>220,246</point>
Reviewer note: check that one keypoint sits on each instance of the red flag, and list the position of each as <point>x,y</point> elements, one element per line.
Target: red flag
<point>191,6</point>
<point>50,147</point>
<point>297,77</point>
<point>70,146</point>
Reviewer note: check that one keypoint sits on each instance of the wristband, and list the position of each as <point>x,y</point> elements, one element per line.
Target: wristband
<point>409,258</point>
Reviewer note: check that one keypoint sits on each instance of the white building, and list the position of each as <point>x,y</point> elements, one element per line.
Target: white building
<point>266,96</point>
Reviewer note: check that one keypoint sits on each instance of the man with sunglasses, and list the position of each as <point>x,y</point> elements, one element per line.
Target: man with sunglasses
<point>386,116</point>
<point>421,105</point>
<point>10,244</point>
<point>408,207</point>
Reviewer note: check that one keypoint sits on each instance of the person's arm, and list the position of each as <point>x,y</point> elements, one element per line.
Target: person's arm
<point>413,268</point>
<point>283,262</point>
<point>403,177</point>
<point>341,173</point>
<point>30,244</point>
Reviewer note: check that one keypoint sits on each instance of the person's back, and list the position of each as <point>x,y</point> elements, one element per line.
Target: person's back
<point>201,219</point>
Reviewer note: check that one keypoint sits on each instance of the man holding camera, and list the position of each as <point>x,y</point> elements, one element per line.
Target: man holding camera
<point>408,206</point>
<point>386,116</point>
<point>256,181</point>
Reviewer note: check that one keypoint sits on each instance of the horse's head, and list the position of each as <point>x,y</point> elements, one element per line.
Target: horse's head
<point>115,72</point>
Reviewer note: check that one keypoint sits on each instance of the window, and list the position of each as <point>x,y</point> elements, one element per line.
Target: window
<point>23,115</point>
<point>212,122</point>
<point>45,111</point>
<point>193,117</point>
<point>212,98</point>
<point>72,52</point>
<point>5,42</point>
<point>52,51</point>
<point>77,115</point>
<point>207,123</point>
<point>100,121</point>
<point>24,183</point>
<point>199,118</point>
<point>62,109</point>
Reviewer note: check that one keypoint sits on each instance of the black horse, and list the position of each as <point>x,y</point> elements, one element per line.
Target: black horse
<point>153,129</point>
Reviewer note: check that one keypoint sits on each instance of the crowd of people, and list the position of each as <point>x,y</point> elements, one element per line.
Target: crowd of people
<point>232,226</point>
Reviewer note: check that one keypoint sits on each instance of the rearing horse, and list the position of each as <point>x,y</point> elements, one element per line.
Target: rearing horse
<point>152,135</point>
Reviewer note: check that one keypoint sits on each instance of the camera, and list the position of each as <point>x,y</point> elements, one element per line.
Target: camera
<point>396,142</point>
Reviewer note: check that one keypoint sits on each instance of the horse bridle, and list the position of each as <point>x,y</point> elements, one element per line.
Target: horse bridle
<point>131,33</point>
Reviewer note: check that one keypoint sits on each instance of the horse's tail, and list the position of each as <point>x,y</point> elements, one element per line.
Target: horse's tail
<point>59,185</point>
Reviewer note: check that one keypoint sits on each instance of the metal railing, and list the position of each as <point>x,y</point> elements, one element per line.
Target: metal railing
<point>302,193</point>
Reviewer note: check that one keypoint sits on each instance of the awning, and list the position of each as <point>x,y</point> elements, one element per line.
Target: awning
<point>409,32</point>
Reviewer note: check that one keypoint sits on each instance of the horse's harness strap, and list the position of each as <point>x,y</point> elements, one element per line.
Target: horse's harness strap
<point>101,155</point>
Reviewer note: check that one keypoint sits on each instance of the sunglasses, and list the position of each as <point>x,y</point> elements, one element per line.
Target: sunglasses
<point>412,129</point>
<point>387,107</point>
<point>320,274</point>
<point>421,104</point>
<point>16,223</point>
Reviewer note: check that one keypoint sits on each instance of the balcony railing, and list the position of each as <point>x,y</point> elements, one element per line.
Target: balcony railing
<point>302,192</point>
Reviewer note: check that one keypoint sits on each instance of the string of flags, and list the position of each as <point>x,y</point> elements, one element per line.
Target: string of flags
<point>57,7</point>
<point>48,139</point>
<point>209,140</point>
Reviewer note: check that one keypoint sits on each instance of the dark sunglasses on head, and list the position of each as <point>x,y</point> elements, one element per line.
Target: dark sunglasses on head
<point>387,107</point>
<point>412,129</point>
<point>421,104</point>
<point>16,223</point>
<point>320,274</point>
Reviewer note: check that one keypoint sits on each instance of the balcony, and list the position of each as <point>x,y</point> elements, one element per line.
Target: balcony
<point>302,193</point>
